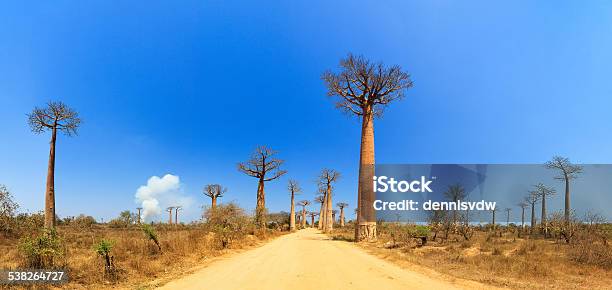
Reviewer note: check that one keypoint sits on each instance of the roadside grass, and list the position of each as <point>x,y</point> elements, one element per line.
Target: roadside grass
<point>504,261</point>
<point>138,260</point>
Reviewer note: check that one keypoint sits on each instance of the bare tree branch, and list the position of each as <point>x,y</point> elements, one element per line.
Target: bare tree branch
<point>55,115</point>
<point>363,87</point>
<point>214,190</point>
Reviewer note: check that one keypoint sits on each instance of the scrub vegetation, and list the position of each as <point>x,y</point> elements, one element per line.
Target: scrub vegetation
<point>504,255</point>
<point>113,254</point>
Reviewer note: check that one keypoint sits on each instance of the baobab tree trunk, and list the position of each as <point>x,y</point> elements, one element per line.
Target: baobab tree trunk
<point>321,215</point>
<point>329,220</point>
<point>493,222</point>
<point>455,214</point>
<point>312,221</point>
<point>50,193</point>
<point>567,199</point>
<point>292,214</point>
<point>523,218</point>
<point>303,218</point>
<point>341,217</point>
<point>366,216</point>
<point>507,218</point>
<point>170,217</point>
<point>543,218</point>
<point>533,218</point>
<point>260,210</point>
<point>176,216</point>
<point>213,202</point>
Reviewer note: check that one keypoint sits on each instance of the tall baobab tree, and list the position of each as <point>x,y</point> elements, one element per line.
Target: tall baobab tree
<point>455,193</point>
<point>139,216</point>
<point>265,167</point>
<point>493,217</point>
<point>543,191</point>
<point>522,205</point>
<point>312,217</point>
<point>294,188</point>
<point>334,213</point>
<point>326,180</point>
<point>169,210</point>
<point>214,191</point>
<point>176,210</point>
<point>364,89</point>
<point>508,210</point>
<point>568,171</point>
<point>532,199</point>
<point>320,199</point>
<point>304,204</point>
<point>56,116</point>
<point>341,205</point>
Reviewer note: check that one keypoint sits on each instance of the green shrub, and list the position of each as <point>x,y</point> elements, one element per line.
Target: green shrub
<point>8,208</point>
<point>44,251</point>
<point>405,234</point>
<point>151,235</point>
<point>103,249</point>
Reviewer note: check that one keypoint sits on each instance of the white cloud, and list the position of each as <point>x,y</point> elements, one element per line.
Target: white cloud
<point>159,193</point>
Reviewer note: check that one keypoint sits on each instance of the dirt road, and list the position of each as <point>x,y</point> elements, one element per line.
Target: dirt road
<point>306,260</point>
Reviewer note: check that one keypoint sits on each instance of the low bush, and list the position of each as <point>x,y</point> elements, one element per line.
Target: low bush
<point>44,251</point>
<point>103,249</point>
<point>591,253</point>
<point>228,222</point>
<point>151,235</point>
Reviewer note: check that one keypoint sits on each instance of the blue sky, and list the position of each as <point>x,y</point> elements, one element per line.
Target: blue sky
<point>191,87</point>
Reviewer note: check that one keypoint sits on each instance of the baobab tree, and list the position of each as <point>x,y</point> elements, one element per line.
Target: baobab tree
<point>334,213</point>
<point>294,188</point>
<point>543,191</point>
<point>56,116</point>
<point>532,198</point>
<point>176,210</point>
<point>341,205</point>
<point>312,217</point>
<point>265,167</point>
<point>493,217</point>
<point>214,191</point>
<point>304,204</point>
<point>363,88</point>
<point>568,171</point>
<point>139,216</point>
<point>455,193</point>
<point>508,210</point>
<point>326,180</point>
<point>522,205</point>
<point>320,199</point>
<point>169,210</point>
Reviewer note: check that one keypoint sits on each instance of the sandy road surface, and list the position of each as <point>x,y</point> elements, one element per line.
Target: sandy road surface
<point>306,260</point>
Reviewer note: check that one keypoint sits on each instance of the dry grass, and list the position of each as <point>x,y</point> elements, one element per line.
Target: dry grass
<point>506,261</point>
<point>137,259</point>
